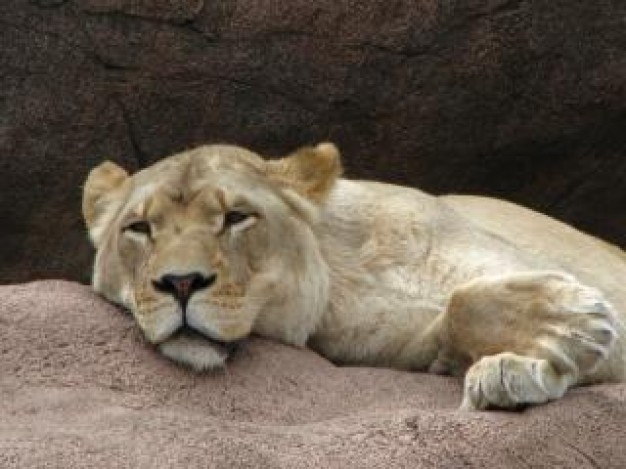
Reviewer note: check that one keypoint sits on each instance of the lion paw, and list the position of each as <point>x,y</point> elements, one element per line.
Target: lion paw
<point>579,327</point>
<point>547,332</point>
<point>508,381</point>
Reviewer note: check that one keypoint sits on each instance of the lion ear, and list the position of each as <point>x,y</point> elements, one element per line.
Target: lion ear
<point>310,171</point>
<point>98,194</point>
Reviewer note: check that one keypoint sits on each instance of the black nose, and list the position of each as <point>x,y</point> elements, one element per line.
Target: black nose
<point>182,287</point>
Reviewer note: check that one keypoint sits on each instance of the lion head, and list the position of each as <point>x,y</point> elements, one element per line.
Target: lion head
<point>210,245</point>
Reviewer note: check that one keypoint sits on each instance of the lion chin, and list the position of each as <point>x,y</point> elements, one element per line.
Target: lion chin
<point>195,351</point>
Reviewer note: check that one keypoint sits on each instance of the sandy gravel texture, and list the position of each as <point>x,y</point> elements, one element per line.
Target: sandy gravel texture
<point>79,387</point>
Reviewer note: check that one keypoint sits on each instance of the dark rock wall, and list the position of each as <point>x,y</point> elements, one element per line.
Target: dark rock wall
<point>519,99</point>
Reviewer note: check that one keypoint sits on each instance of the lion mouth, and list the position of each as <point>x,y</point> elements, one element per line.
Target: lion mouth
<point>193,349</point>
<point>186,332</point>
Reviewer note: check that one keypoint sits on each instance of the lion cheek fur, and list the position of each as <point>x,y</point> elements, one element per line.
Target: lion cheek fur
<point>297,291</point>
<point>111,281</point>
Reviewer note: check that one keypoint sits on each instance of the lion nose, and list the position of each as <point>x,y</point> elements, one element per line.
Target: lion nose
<point>182,287</point>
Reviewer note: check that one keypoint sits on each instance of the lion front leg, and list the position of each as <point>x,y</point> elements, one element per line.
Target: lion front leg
<point>526,337</point>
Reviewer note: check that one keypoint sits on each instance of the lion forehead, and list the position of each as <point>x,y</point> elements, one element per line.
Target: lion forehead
<point>196,169</point>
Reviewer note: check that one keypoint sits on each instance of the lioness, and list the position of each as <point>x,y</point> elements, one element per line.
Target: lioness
<point>211,245</point>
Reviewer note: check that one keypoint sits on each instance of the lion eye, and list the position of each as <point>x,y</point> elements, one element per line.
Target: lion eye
<point>234,217</point>
<point>141,227</point>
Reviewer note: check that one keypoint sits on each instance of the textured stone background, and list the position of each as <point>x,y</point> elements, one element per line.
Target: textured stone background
<point>520,99</point>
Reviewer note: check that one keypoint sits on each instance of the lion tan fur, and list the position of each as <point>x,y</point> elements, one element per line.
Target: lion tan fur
<point>365,273</point>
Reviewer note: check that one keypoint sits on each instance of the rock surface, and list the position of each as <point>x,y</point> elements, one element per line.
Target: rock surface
<point>80,388</point>
<point>524,99</point>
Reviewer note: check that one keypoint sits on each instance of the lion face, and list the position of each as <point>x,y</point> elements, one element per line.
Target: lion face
<point>210,245</point>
